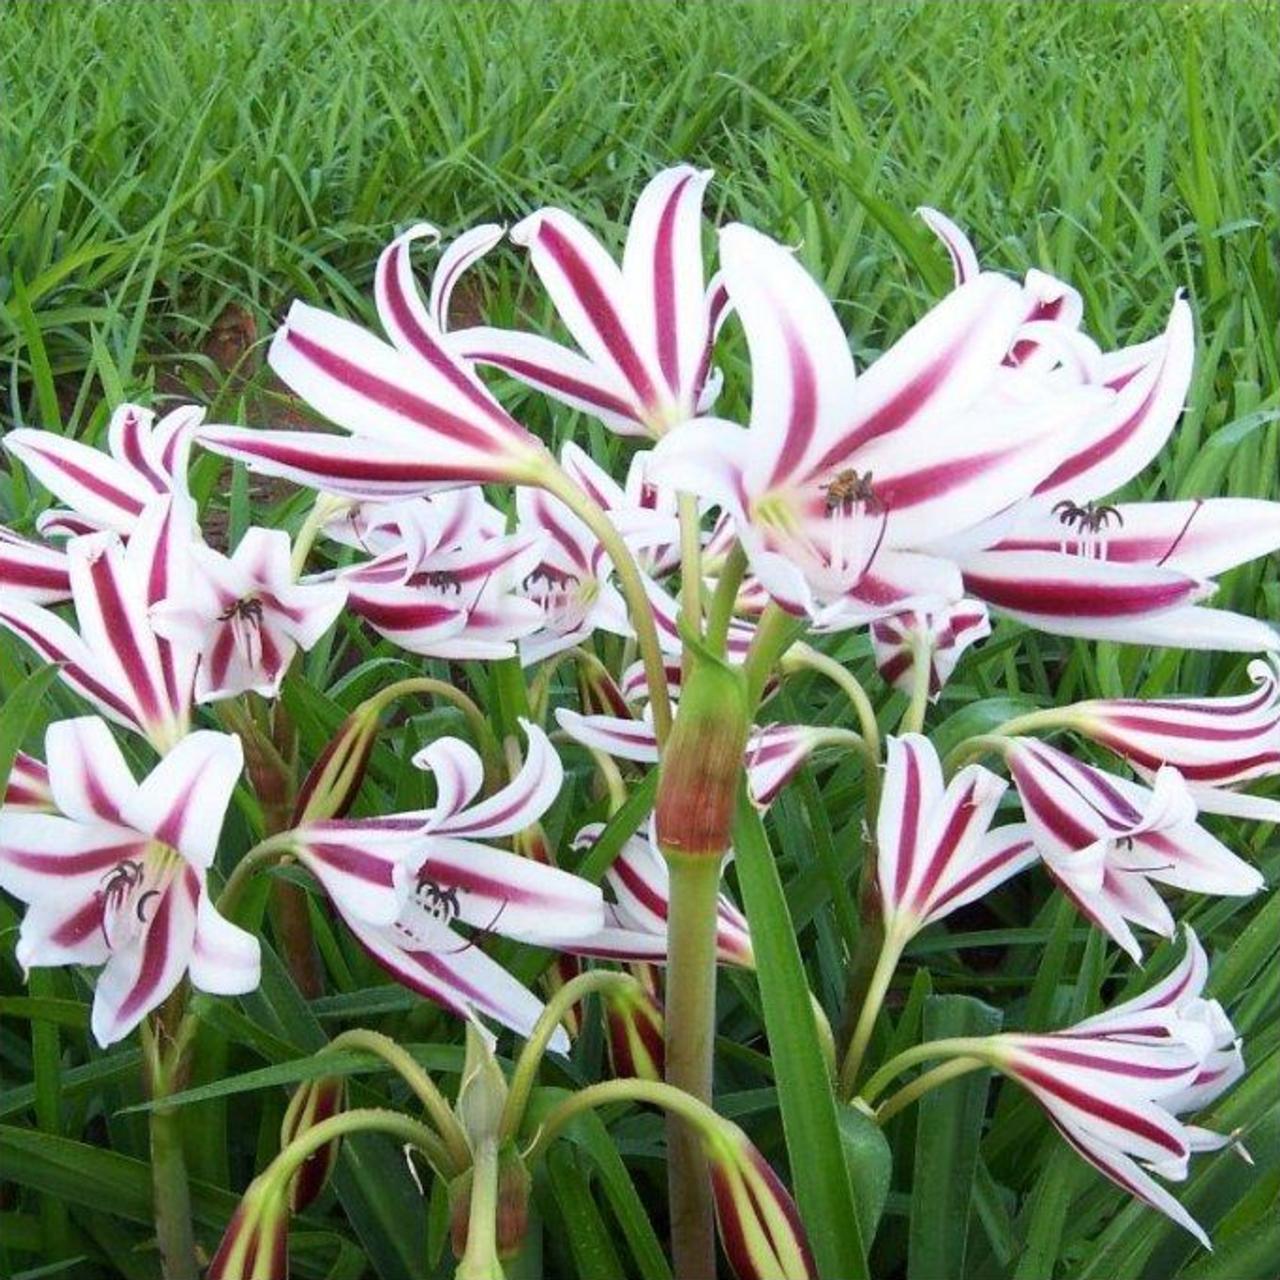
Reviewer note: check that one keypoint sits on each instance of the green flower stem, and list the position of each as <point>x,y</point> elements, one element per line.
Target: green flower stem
<point>696,1115</point>
<point>325,507</point>
<point>877,988</point>
<point>360,1120</point>
<point>171,1191</point>
<point>476,719</point>
<point>922,674</point>
<point>632,584</point>
<point>525,1073</point>
<point>690,562</point>
<point>960,1046</point>
<point>690,1041</point>
<point>720,614</point>
<point>931,1079</point>
<point>775,634</point>
<point>974,748</point>
<point>423,1086</point>
<point>480,1261</point>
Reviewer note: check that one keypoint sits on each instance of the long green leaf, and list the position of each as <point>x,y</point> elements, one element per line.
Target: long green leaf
<point>822,1185</point>
<point>948,1129</point>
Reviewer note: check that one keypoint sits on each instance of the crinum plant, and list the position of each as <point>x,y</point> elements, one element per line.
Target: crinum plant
<point>653,623</point>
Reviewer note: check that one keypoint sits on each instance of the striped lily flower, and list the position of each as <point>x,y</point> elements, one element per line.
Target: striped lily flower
<point>1216,744</point>
<point>116,661</point>
<point>939,636</point>
<point>645,330</point>
<point>934,849</point>
<point>1106,840</point>
<point>447,588</point>
<point>571,581</point>
<point>146,458</point>
<point>116,876</point>
<point>28,785</point>
<point>635,917</point>
<point>1114,1085</point>
<point>31,570</point>
<point>839,480</point>
<point>1146,562</point>
<point>403,882</point>
<point>418,416</point>
<point>245,615</point>
<point>774,752</point>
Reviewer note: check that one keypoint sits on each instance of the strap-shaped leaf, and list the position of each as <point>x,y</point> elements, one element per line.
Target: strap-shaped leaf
<point>822,1186</point>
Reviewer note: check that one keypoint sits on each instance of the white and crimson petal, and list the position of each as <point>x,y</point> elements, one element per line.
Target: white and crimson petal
<point>109,491</point>
<point>938,636</point>
<point>516,806</point>
<point>32,571</point>
<point>934,850</point>
<point>418,416</point>
<point>1149,385</point>
<point>1212,742</point>
<point>636,919</point>
<point>116,877</point>
<point>1104,838</point>
<point>117,661</point>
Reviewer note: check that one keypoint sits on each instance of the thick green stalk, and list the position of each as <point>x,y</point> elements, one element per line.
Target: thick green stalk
<point>690,1039</point>
<point>877,988</point>
<point>171,1191</point>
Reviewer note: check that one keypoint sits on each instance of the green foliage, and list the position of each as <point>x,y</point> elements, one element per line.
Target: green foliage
<point>173,173</point>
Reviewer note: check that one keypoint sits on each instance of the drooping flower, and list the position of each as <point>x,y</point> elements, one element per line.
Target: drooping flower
<point>447,587</point>
<point>1106,839</point>
<point>245,615</point>
<point>116,661</point>
<point>1067,560</point>
<point>840,480</point>
<point>146,459</point>
<point>33,571</point>
<point>419,419</point>
<point>635,917</point>
<point>1114,1085</point>
<point>934,849</point>
<point>571,582</point>
<point>402,882</point>
<point>935,636</point>
<point>1216,744</point>
<point>116,877</point>
<point>645,330</point>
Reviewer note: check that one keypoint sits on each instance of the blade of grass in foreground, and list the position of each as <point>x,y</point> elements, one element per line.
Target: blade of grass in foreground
<point>821,1180</point>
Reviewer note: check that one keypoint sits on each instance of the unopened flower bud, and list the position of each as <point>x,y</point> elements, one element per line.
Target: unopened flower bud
<point>255,1245</point>
<point>702,760</point>
<point>482,1095</point>
<point>313,1101</point>
<point>759,1224</point>
<point>633,1019</point>
<point>331,785</point>
<point>598,691</point>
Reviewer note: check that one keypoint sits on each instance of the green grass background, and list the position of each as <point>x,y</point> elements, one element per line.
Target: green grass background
<point>166,166</point>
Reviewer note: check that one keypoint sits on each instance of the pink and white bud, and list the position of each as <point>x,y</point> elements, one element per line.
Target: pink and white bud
<point>313,1102</point>
<point>760,1227</point>
<point>255,1245</point>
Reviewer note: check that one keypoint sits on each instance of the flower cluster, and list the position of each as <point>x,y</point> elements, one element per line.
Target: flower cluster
<point>973,467</point>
